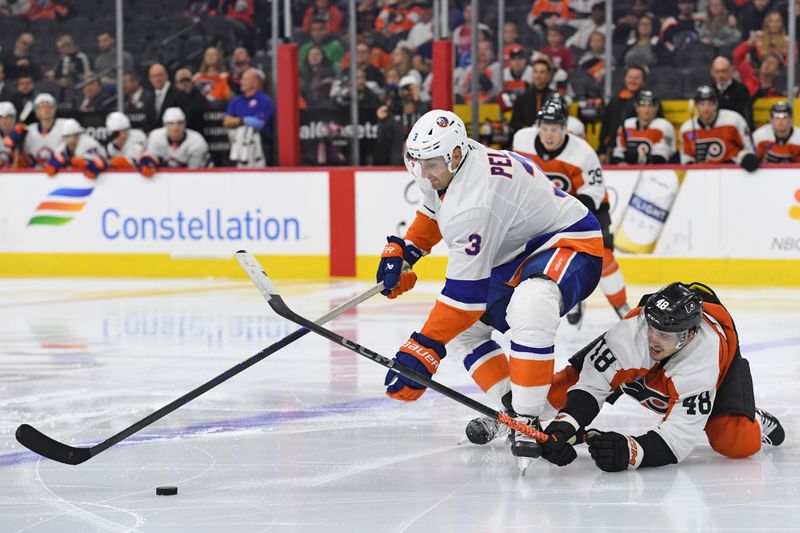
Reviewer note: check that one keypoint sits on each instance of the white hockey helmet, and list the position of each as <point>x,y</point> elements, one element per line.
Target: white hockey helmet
<point>71,127</point>
<point>117,121</point>
<point>436,134</point>
<point>44,98</point>
<point>7,109</point>
<point>174,114</point>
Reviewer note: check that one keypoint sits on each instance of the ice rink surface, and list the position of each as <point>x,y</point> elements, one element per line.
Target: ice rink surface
<point>306,439</point>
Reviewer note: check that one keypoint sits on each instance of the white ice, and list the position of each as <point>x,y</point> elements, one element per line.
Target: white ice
<point>307,441</point>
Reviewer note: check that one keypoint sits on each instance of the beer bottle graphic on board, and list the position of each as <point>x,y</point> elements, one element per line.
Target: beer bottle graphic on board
<point>647,212</point>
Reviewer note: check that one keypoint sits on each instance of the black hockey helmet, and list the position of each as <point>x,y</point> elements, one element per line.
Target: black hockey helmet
<point>674,308</point>
<point>646,97</point>
<point>552,111</point>
<point>555,98</point>
<point>706,93</point>
<point>780,108</point>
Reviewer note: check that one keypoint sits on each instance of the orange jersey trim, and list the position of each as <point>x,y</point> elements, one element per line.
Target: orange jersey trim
<point>445,322</point>
<point>423,232</point>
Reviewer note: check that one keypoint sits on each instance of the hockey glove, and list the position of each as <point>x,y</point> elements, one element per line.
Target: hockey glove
<point>254,122</point>
<point>749,162</point>
<point>91,167</point>
<point>15,137</point>
<point>119,161</point>
<point>631,155</point>
<point>54,164</point>
<point>420,354</point>
<point>558,449</point>
<point>613,452</point>
<point>397,255</point>
<point>147,165</point>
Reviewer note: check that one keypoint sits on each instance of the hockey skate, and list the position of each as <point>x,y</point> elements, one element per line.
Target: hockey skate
<point>771,429</point>
<point>575,315</point>
<point>523,447</point>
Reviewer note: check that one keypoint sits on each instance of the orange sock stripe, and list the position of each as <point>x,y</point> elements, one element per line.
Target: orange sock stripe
<point>491,372</point>
<point>531,373</point>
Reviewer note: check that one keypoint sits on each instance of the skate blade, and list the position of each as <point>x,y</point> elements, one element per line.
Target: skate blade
<point>523,463</point>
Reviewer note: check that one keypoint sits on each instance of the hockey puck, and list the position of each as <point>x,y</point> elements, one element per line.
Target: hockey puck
<point>166,491</point>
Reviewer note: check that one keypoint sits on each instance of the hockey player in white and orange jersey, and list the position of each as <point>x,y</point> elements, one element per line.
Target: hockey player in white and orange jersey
<point>8,118</point>
<point>573,166</point>
<point>778,141</point>
<point>125,144</point>
<point>521,253</point>
<point>677,354</point>
<point>39,140</point>
<point>716,135</point>
<point>646,138</point>
<point>174,146</point>
<point>77,150</point>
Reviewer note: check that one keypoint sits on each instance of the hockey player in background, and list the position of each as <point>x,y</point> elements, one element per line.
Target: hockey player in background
<point>646,138</point>
<point>38,140</point>
<point>677,354</point>
<point>716,135</point>
<point>77,150</point>
<point>125,145</point>
<point>174,146</point>
<point>573,166</point>
<point>8,119</point>
<point>520,254</point>
<point>778,141</point>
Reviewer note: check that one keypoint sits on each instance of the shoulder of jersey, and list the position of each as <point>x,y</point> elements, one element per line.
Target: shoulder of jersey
<point>728,117</point>
<point>525,136</point>
<point>765,133</point>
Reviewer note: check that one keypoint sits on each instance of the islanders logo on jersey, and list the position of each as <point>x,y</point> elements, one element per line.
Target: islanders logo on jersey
<point>649,398</point>
<point>60,206</point>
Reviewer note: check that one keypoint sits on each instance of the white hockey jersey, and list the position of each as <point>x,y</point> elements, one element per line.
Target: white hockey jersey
<point>497,206</point>
<point>87,148</point>
<point>771,150</point>
<point>726,140</point>
<point>574,168</point>
<point>41,145</point>
<point>682,389</point>
<point>6,155</point>
<point>657,139</point>
<point>134,145</point>
<point>191,152</point>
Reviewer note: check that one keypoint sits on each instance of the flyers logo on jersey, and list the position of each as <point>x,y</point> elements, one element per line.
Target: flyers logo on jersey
<point>710,149</point>
<point>649,398</point>
<point>561,181</point>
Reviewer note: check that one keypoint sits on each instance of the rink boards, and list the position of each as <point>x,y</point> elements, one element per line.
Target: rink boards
<point>719,225</point>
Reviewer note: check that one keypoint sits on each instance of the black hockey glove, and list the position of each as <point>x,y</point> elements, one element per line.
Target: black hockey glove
<point>749,162</point>
<point>631,155</point>
<point>613,452</point>
<point>558,449</point>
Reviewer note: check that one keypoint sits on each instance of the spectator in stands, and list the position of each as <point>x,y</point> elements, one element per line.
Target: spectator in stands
<point>683,28</point>
<point>373,74</point>
<point>423,64</point>
<point>462,34</point>
<point>253,109</point>
<point>72,64</point>
<point>528,104</point>
<point>619,108</point>
<point>625,26</point>
<point>761,83</point>
<point>558,10</point>
<point>732,93</point>
<point>190,100</point>
<point>174,146</point>
<point>560,55</point>
<point>47,10</point>
<point>510,40</point>
<point>134,93</point>
<point>163,95</point>
<point>316,79</point>
<point>8,119</point>
<point>239,10</point>
<point>490,82</point>
<point>594,60</point>
<point>323,10</point>
<point>771,39</point>
<point>422,31</point>
<point>24,96</point>
<point>752,15</point>
<point>399,16</point>
<point>407,106</point>
<point>719,27</point>
<point>94,97</point>
<point>401,60</point>
<point>18,60</point>
<point>5,90</point>
<point>517,77</point>
<point>646,50</point>
<point>240,63</point>
<point>778,141</point>
<point>106,60</point>
<point>212,78</point>
<point>329,45</point>
<point>595,23</point>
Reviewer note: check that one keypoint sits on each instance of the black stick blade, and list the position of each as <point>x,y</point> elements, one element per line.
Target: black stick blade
<point>38,442</point>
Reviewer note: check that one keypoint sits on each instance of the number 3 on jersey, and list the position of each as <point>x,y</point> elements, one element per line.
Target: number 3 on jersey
<point>474,244</point>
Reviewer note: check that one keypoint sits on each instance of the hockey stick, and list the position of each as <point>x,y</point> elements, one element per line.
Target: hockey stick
<point>38,442</point>
<point>264,285</point>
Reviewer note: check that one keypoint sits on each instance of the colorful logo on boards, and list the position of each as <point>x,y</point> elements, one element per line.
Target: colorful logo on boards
<point>794,211</point>
<point>60,206</point>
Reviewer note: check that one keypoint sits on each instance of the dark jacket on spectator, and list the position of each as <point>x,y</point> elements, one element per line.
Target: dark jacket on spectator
<point>618,109</point>
<point>72,67</point>
<point>5,92</point>
<point>389,142</point>
<point>736,98</point>
<point>193,104</point>
<point>315,85</point>
<point>526,107</point>
<point>751,19</point>
<point>153,118</point>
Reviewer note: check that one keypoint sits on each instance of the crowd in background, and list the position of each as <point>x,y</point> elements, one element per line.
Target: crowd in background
<point>217,78</point>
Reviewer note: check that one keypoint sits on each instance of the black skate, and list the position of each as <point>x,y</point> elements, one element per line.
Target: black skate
<point>522,445</point>
<point>771,429</point>
<point>575,315</point>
